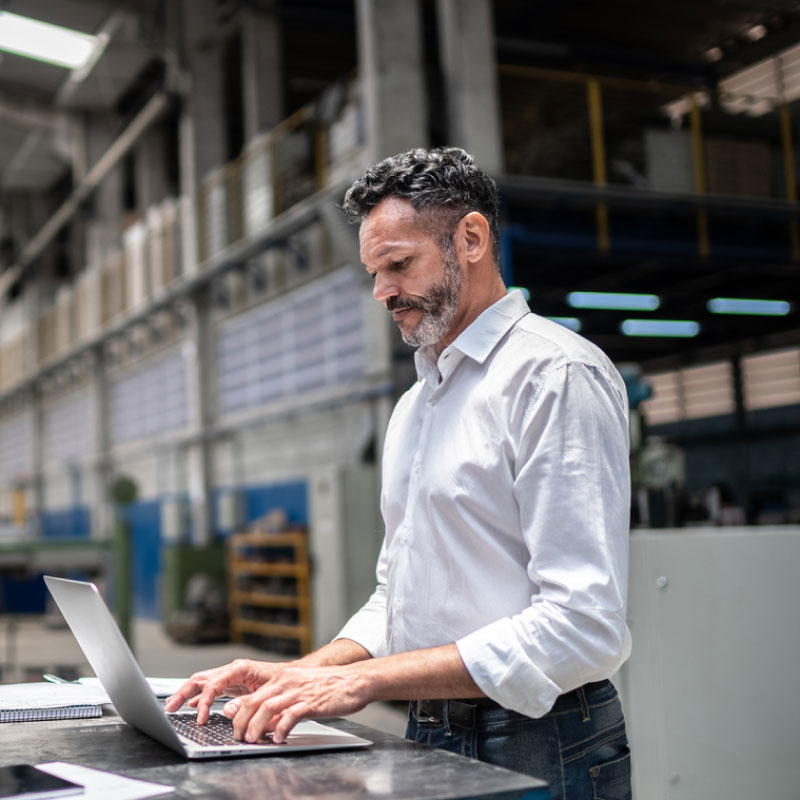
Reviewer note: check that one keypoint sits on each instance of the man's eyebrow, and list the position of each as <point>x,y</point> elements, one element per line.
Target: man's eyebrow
<point>384,252</point>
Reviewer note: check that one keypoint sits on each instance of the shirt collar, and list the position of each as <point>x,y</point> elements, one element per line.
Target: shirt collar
<point>481,336</point>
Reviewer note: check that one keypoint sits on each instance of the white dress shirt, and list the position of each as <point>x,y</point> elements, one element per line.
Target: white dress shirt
<point>506,499</point>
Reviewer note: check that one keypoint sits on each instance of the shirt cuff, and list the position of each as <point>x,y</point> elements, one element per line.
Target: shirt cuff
<point>362,630</point>
<point>504,672</point>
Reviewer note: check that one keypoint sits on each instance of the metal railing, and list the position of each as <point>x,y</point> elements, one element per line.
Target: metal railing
<point>616,135</point>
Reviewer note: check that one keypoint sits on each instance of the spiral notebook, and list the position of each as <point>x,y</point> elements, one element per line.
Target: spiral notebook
<point>28,702</point>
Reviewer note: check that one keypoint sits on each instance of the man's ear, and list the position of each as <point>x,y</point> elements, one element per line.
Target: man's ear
<point>476,235</point>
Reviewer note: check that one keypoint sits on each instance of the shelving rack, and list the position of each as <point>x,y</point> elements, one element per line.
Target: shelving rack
<point>269,595</point>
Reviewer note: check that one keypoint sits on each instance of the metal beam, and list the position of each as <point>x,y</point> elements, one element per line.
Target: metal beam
<point>595,102</point>
<point>27,115</point>
<point>154,108</point>
<point>523,187</point>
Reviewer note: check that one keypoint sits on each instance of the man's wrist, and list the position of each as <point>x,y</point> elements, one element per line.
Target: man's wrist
<point>368,679</point>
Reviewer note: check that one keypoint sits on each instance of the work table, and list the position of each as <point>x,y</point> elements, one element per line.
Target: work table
<point>391,768</point>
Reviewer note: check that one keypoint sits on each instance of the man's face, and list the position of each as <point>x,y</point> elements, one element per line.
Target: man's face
<point>418,282</point>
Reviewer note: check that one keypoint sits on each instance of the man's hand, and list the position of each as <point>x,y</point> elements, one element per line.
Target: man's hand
<point>240,677</point>
<point>336,680</point>
<point>297,693</point>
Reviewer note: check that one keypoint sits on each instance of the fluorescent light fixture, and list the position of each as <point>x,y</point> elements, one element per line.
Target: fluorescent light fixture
<point>573,323</point>
<point>741,305</point>
<point>622,301</point>
<point>52,44</point>
<point>684,328</point>
<point>525,293</point>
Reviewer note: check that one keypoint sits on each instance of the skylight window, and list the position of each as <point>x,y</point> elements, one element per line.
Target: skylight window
<point>690,393</point>
<point>771,379</point>
<point>42,41</point>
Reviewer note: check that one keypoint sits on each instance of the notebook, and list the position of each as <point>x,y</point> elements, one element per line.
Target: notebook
<point>26,702</point>
<point>112,660</point>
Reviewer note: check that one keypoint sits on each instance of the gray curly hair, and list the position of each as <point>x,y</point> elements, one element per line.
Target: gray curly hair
<point>443,180</point>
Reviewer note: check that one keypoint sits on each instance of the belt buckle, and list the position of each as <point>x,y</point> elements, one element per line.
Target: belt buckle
<point>420,717</point>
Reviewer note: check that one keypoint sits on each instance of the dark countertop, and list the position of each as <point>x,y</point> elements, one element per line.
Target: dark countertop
<point>391,768</point>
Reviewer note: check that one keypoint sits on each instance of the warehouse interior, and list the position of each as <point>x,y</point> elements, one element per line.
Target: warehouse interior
<point>190,351</point>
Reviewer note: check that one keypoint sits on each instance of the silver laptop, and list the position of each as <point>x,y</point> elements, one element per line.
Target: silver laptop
<point>112,660</point>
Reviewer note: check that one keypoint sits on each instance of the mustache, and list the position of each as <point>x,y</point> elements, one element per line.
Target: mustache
<point>395,304</point>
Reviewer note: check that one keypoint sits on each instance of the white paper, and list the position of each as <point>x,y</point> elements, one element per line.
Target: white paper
<point>162,687</point>
<point>14,696</point>
<point>100,785</point>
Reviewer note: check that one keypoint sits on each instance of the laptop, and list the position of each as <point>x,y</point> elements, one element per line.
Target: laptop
<point>110,657</point>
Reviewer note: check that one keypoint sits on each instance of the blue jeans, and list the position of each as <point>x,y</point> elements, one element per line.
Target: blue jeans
<point>579,747</point>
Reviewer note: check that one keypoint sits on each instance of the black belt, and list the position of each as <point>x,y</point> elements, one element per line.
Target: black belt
<point>458,712</point>
<point>463,712</point>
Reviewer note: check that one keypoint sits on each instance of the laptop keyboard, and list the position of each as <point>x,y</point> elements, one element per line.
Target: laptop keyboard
<point>217,731</point>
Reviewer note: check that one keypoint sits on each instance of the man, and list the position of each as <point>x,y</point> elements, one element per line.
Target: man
<point>500,605</point>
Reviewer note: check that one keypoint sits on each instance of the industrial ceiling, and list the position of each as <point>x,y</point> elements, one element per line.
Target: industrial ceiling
<point>692,42</point>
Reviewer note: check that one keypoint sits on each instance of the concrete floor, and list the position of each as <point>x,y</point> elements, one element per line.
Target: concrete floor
<point>31,645</point>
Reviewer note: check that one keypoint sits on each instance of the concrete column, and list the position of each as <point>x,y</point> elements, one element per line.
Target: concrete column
<point>202,134</point>
<point>72,142</point>
<point>30,352</point>
<point>201,130</point>
<point>102,513</point>
<point>392,73</point>
<point>38,209</point>
<point>150,169</point>
<point>466,40</point>
<point>262,76</point>
<point>198,354</point>
<point>37,460</point>
<point>104,228</point>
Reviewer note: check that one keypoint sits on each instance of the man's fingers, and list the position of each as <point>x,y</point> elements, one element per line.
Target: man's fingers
<point>259,723</point>
<point>240,677</point>
<point>231,708</point>
<point>205,700</point>
<point>253,717</point>
<point>241,719</point>
<point>184,693</point>
<point>288,719</point>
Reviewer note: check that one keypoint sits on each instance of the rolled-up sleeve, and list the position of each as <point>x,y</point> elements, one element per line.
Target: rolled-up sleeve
<point>367,626</point>
<point>572,486</point>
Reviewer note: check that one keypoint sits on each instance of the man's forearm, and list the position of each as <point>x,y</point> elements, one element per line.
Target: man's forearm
<point>438,672</point>
<point>316,688</point>
<point>336,653</point>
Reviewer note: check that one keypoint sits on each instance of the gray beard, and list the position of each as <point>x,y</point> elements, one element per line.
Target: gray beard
<point>439,306</point>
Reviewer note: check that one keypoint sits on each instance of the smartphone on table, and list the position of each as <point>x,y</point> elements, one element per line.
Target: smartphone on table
<point>25,781</point>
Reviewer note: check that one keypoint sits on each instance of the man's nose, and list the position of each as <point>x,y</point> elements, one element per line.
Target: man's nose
<point>384,288</point>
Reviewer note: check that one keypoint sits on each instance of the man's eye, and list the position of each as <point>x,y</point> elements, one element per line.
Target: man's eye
<point>400,264</point>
